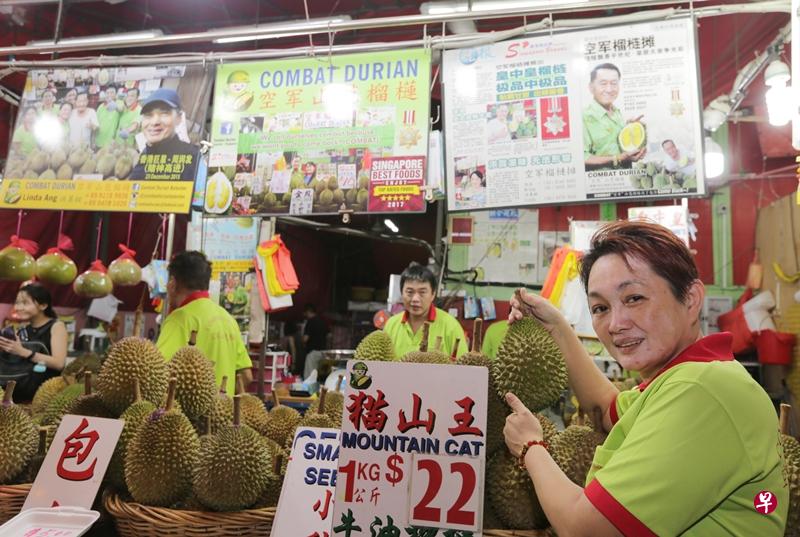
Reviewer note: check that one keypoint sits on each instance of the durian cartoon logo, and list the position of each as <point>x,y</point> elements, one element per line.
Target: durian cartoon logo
<point>12,194</point>
<point>359,380</point>
<point>239,96</point>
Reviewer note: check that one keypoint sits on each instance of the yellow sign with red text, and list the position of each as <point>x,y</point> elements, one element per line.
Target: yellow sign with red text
<point>87,195</point>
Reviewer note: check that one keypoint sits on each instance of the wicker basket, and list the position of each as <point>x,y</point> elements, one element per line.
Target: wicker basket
<point>137,520</point>
<point>12,497</point>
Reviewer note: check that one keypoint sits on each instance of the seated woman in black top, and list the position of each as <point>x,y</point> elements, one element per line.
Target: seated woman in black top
<point>38,350</point>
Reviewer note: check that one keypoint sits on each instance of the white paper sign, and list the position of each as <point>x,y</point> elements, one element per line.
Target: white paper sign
<point>220,157</point>
<point>347,176</point>
<point>302,201</point>
<point>673,217</point>
<point>279,184</point>
<point>75,463</point>
<point>104,308</point>
<point>306,502</point>
<point>396,417</point>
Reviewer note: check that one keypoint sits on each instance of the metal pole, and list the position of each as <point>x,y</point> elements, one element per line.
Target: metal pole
<point>284,29</point>
<point>168,254</point>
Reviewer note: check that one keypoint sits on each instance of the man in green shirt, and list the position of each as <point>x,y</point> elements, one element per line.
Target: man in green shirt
<point>23,142</point>
<point>108,118</point>
<point>602,122</point>
<point>418,286</point>
<point>218,334</point>
<point>493,337</point>
<point>129,119</point>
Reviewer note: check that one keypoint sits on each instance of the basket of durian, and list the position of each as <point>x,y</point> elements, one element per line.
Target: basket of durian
<point>22,449</point>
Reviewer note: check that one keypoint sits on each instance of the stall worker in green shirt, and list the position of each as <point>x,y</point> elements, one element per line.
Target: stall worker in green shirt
<point>602,122</point>
<point>108,117</point>
<point>23,142</point>
<point>218,334</point>
<point>418,287</point>
<point>694,450</point>
<point>129,119</point>
<point>493,337</point>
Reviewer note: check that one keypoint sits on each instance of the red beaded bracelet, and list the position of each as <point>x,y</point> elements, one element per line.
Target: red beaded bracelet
<point>529,445</point>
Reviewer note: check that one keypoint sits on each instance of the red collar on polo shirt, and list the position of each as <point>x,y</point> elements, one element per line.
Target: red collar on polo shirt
<point>712,348</point>
<point>431,314</point>
<point>196,295</point>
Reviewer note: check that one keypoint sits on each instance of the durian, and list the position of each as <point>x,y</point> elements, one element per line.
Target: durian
<point>530,365</point>
<point>18,437</point>
<point>233,466</point>
<point>29,475</point>
<point>86,362</point>
<point>511,492</point>
<point>334,404</point>
<point>58,405</point>
<point>254,414</point>
<point>64,172</point>
<point>497,410</point>
<point>88,167</point>
<point>161,458</point>
<point>196,381</point>
<point>376,346</point>
<point>573,449</point>
<point>132,358</point>
<point>46,392</point>
<point>272,490</point>
<point>319,417</point>
<point>134,416</point>
<point>791,473</point>
<point>48,175</point>
<point>89,404</point>
<point>326,197</point>
<point>423,355</point>
<point>283,420</point>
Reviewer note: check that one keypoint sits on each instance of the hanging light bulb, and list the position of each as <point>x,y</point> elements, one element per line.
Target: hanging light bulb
<point>714,158</point>
<point>779,105</point>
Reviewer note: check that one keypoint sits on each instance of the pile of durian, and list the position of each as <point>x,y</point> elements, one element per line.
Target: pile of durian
<point>185,443</point>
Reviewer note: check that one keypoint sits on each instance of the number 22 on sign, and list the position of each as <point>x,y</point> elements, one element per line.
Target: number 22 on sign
<point>445,492</point>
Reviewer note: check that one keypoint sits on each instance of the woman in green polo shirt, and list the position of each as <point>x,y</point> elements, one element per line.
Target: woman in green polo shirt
<point>693,450</point>
<point>24,141</point>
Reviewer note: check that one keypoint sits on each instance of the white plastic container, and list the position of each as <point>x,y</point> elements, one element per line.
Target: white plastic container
<point>61,521</point>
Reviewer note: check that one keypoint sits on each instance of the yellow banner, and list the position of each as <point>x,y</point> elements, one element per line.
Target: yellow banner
<point>397,189</point>
<point>231,265</point>
<point>83,195</point>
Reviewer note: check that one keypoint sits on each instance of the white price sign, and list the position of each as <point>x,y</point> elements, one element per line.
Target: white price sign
<point>445,492</point>
<point>75,463</point>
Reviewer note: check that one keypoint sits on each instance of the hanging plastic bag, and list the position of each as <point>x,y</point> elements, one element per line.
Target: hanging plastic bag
<point>124,270</point>
<point>94,283</point>
<point>16,260</point>
<point>55,266</point>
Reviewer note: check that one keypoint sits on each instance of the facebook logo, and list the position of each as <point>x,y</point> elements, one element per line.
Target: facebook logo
<point>226,128</point>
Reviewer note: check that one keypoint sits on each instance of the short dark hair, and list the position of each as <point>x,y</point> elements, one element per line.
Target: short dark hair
<point>191,270</point>
<point>417,273</point>
<point>41,296</point>
<point>665,142</point>
<point>662,250</point>
<point>609,66</point>
<point>310,307</point>
<point>111,86</point>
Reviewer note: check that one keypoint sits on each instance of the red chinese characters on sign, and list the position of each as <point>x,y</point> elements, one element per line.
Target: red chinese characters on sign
<point>415,422</point>
<point>323,509</point>
<point>464,419</point>
<point>368,411</point>
<point>77,449</point>
<point>395,184</point>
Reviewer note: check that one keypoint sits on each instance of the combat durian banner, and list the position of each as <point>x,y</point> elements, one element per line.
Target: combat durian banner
<point>320,135</point>
<point>110,139</point>
<point>608,113</point>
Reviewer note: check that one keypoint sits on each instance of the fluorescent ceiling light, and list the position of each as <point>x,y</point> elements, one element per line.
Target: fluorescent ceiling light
<point>262,31</point>
<point>391,225</point>
<point>95,39</point>
<point>501,5</point>
<point>446,8</point>
<point>780,105</point>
